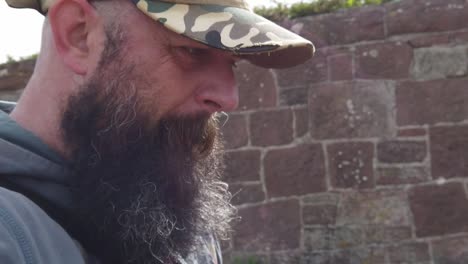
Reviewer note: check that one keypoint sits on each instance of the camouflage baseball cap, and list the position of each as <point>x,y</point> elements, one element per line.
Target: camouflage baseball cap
<point>224,24</point>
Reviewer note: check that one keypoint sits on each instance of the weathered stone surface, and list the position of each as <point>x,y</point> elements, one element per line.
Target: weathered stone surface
<point>430,102</point>
<point>10,95</point>
<point>453,38</point>
<point>273,226</point>
<point>244,194</point>
<point>14,76</point>
<point>313,257</point>
<point>295,171</point>
<point>402,175</point>
<point>449,151</point>
<point>301,117</point>
<point>362,255</point>
<point>412,132</point>
<point>386,234</point>
<point>430,40</point>
<point>273,127</point>
<point>389,60</point>
<point>257,87</point>
<point>351,164</point>
<point>383,207</point>
<point>319,214</point>
<point>439,209</point>
<point>246,257</point>
<point>401,151</point>
<point>342,237</point>
<point>451,250</point>
<point>325,30</point>
<point>285,257</point>
<point>331,198</point>
<point>419,16</point>
<point>352,110</point>
<point>313,71</point>
<point>459,37</point>
<point>234,132</point>
<point>318,238</point>
<point>243,165</point>
<point>341,67</point>
<point>412,252</point>
<point>439,62</point>
<point>294,96</point>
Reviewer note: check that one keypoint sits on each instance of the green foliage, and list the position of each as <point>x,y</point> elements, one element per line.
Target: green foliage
<point>10,59</point>
<point>30,57</point>
<point>277,13</point>
<point>300,9</point>
<point>246,260</point>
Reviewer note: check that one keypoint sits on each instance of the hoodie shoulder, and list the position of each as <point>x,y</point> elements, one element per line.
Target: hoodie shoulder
<point>29,235</point>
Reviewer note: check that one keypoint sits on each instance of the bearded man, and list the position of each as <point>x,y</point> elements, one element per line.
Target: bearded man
<point>112,154</point>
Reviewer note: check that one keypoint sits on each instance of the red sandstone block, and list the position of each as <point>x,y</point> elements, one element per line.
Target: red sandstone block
<point>295,171</point>
<point>341,67</point>
<point>382,234</point>
<point>301,116</point>
<point>451,250</point>
<point>243,194</point>
<point>294,96</point>
<point>374,207</point>
<point>323,214</point>
<point>399,176</point>
<point>370,254</point>
<point>412,252</point>
<point>358,109</point>
<point>328,29</point>
<point>449,151</point>
<point>403,151</point>
<point>351,165</point>
<point>439,209</point>
<point>429,40</point>
<point>285,257</point>
<point>242,165</point>
<point>390,60</point>
<point>234,131</point>
<point>268,227</point>
<point>430,102</point>
<point>313,71</point>
<point>411,132</point>
<point>417,16</point>
<point>257,87</point>
<point>271,127</point>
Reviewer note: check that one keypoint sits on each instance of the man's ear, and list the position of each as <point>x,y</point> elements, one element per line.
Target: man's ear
<point>73,22</point>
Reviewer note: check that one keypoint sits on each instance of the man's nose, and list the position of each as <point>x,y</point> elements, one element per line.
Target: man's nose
<point>219,92</point>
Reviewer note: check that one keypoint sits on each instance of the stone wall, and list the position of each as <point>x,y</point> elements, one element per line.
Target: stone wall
<point>13,78</point>
<point>359,156</point>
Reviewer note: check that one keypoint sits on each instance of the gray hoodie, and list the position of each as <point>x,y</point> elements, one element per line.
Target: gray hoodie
<point>27,233</point>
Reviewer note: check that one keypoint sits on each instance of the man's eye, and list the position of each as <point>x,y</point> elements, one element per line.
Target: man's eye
<point>196,52</point>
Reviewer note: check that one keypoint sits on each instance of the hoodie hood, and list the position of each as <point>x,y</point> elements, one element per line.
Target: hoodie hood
<point>29,166</point>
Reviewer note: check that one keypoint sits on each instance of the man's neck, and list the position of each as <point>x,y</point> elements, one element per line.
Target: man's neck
<point>40,115</point>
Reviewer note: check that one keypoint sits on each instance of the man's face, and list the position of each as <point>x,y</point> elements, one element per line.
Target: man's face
<point>191,77</point>
<point>144,142</point>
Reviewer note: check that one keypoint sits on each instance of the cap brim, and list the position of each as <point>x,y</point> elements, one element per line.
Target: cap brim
<point>238,30</point>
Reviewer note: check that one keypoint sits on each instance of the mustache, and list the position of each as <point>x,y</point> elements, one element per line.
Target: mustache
<point>195,133</point>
